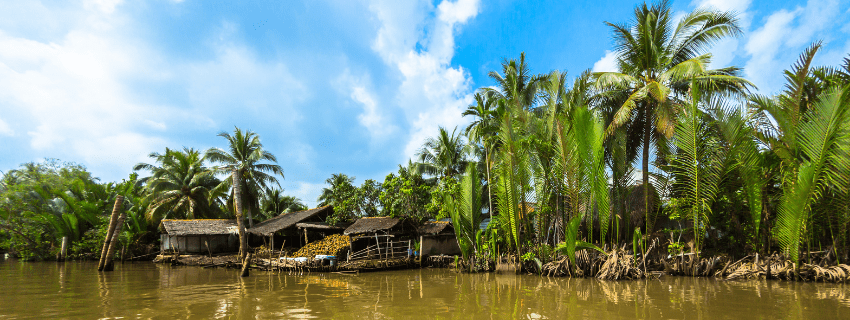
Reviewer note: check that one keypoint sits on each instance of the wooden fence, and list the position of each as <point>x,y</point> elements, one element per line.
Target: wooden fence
<point>383,250</point>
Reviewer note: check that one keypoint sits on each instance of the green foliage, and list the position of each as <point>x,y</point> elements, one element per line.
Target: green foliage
<point>465,209</point>
<point>438,208</point>
<point>256,166</point>
<point>179,187</point>
<point>698,165</point>
<point>369,195</point>
<point>405,195</point>
<point>343,196</point>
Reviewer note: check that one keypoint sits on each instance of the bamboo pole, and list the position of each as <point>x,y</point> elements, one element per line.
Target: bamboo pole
<point>116,210</point>
<point>108,266</point>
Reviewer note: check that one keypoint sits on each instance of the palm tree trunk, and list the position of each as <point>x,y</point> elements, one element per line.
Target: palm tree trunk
<point>113,220</point>
<point>237,202</point>
<point>645,167</point>
<point>110,254</point>
<point>489,193</point>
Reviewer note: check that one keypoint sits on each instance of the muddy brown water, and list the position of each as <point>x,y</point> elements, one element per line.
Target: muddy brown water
<point>146,290</point>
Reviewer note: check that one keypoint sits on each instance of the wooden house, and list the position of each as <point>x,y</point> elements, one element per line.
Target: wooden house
<point>382,233</point>
<point>204,236</point>
<point>437,237</point>
<point>284,229</point>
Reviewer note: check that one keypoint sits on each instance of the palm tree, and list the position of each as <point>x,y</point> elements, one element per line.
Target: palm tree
<point>342,195</point>
<point>483,130</point>
<point>179,186</point>
<point>443,156</point>
<point>808,128</point>
<point>245,155</point>
<point>274,202</point>
<point>657,64</point>
<point>465,210</point>
<point>516,84</point>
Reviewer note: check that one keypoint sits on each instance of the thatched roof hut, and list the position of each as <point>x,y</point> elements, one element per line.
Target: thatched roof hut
<point>199,236</point>
<point>287,220</point>
<point>369,225</point>
<point>436,227</point>
<point>199,227</point>
<point>320,226</point>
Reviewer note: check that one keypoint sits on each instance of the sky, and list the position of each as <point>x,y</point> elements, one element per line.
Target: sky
<point>350,87</point>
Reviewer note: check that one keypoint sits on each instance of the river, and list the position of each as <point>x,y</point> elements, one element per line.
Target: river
<point>145,290</point>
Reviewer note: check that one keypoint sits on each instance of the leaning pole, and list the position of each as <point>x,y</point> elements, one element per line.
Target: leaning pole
<point>113,220</point>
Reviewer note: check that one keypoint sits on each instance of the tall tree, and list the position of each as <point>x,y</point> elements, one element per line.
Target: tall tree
<point>516,84</point>
<point>179,186</point>
<point>342,195</point>
<point>274,202</point>
<point>657,62</point>
<point>483,130</point>
<point>245,154</point>
<point>443,156</point>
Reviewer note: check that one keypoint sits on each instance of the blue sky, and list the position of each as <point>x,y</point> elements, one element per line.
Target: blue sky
<point>342,86</point>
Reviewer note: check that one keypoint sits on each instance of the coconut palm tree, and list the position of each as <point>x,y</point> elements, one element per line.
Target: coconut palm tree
<point>515,84</point>
<point>179,186</point>
<point>658,62</point>
<point>245,154</point>
<point>444,156</point>
<point>483,130</point>
<point>274,202</point>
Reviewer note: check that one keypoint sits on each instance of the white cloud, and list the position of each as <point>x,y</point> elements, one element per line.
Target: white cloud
<point>80,94</point>
<point>306,191</point>
<point>70,94</point>
<point>236,82</point>
<point>432,92</point>
<point>106,6</point>
<point>739,7</point>
<point>372,117</point>
<point>608,62</point>
<point>5,129</point>
<point>775,45</point>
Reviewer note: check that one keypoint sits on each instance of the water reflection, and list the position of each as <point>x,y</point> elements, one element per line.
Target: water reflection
<point>145,290</point>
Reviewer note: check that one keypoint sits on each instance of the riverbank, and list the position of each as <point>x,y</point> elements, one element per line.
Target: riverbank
<point>616,265</point>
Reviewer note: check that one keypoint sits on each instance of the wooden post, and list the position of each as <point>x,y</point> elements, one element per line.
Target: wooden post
<point>245,265</point>
<point>420,247</point>
<point>63,251</point>
<point>108,266</point>
<point>378,244</point>
<point>116,210</point>
<point>306,241</point>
